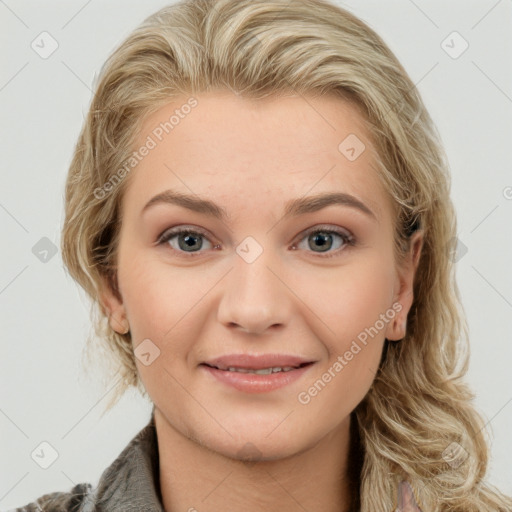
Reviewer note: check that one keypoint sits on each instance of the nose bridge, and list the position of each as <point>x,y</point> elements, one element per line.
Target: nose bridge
<point>254,297</point>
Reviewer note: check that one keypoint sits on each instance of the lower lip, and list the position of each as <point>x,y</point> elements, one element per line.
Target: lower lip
<point>255,383</point>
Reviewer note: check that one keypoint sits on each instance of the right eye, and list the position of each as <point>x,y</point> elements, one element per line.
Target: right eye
<point>186,238</point>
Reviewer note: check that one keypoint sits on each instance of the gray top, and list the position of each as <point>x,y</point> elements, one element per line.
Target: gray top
<point>130,484</point>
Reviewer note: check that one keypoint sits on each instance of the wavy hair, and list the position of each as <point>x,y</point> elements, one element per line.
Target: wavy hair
<point>417,421</point>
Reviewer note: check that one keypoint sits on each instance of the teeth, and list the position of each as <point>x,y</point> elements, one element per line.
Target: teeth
<point>262,371</point>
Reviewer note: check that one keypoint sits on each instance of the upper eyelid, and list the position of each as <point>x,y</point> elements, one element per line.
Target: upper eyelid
<point>180,228</point>
<point>324,227</point>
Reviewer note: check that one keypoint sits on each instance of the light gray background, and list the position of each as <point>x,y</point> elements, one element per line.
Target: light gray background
<point>45,317</point>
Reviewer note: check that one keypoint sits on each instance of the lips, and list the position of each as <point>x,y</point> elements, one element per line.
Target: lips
<point>265,376</point>
<point>257,362</point>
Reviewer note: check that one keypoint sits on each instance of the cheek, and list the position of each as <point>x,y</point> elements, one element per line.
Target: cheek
<point>160,300</point>
<point>162,305</point>
<point>350,298</point>
<point>169,306</point>
<point>352,307</point>
<point>360,318</point>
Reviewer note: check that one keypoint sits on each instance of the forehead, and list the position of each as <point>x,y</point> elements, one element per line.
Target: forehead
<point>227,147</point>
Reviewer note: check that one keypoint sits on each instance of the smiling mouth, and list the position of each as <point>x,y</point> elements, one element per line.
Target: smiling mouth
<point>259,371</point>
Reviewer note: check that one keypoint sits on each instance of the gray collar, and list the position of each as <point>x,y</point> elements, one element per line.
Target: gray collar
<point>131,483</point>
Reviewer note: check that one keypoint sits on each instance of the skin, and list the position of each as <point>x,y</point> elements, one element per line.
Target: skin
<point>250,157</point>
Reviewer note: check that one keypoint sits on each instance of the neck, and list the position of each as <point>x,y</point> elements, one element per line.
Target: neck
<point>194,478</point>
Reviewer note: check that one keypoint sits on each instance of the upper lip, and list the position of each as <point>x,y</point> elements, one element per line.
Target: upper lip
<point>257,361</point>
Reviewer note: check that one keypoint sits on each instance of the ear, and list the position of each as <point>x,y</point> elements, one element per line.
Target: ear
<point>406,500</point>
<point>404,287</point>
<point>112,305</point>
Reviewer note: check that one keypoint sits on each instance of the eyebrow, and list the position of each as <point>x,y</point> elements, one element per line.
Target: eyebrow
<point>293,207</point>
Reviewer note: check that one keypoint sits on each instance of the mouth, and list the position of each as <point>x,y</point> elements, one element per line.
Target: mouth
<point>258,371</point>
<point>244,377</point>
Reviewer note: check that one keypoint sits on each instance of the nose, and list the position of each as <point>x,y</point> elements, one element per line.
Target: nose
<point>255,296</point>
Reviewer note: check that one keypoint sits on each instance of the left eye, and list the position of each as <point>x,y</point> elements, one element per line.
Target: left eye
<point>189,240</point>
<point>323,237</point>
<point>192,239</point>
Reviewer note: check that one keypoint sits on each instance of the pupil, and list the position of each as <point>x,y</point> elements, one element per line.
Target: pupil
<point>320,238</point>
<point>189,241</point>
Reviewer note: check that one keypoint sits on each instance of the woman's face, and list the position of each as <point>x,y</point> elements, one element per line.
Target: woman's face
<point>280,274</point>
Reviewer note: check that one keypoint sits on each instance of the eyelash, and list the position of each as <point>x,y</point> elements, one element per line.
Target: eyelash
<point>348,239</point>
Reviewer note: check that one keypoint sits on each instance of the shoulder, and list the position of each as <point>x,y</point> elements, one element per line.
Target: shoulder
<point>71,501</point>
<point>131,479</point>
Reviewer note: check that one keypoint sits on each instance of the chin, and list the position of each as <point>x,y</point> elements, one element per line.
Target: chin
<point>257,446</point>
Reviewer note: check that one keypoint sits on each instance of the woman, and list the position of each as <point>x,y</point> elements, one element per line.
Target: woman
<point>227,138</point>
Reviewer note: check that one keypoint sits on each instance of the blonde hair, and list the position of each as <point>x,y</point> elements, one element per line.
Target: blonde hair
<point>418,404</point>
